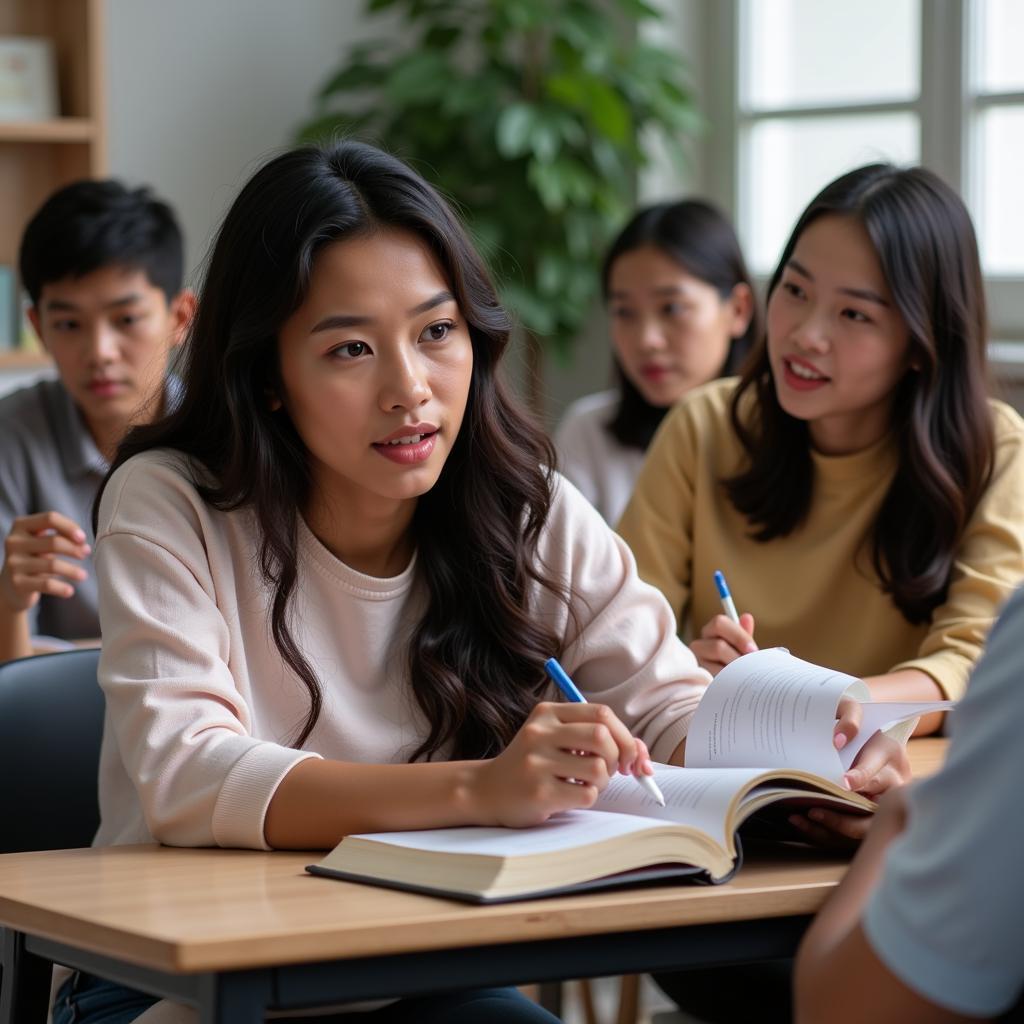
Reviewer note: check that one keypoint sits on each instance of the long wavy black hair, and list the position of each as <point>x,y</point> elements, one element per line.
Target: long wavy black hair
<point>474,657</point>
<point>699,237</point>
<point>942,425</point>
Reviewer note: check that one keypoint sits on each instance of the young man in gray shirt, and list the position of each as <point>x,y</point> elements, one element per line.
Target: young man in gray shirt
<point>926,926</point>
<point>102,265</point>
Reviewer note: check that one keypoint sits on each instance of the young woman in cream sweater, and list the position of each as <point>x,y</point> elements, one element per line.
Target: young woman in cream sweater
<point>329,581</point>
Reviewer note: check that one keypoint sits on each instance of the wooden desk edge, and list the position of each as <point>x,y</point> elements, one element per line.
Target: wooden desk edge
<point>453,924</point>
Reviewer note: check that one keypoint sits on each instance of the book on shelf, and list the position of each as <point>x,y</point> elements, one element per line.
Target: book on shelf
<point>8,306</point>
<point>761,741</point>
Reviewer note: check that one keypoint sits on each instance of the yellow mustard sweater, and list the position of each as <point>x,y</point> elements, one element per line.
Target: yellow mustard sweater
<point>815,591</point>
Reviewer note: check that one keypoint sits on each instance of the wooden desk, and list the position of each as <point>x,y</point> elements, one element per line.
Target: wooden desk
<point>233,932</point>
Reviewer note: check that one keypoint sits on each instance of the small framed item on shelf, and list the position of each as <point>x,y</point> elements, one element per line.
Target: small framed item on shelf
<point>28,79</point>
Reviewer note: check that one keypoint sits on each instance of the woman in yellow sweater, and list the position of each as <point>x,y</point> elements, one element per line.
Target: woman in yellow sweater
<point>862,494</point>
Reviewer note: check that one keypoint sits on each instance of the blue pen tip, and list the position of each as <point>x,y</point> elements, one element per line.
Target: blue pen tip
<point>723,589</point>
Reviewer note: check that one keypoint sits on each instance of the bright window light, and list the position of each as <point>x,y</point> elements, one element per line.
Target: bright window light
<point>826,52</point>
<point>789,160</point>
<point>1000,199</point>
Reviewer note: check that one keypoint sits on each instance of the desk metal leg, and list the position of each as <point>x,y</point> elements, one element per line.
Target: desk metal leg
<point>549,995</point>
<point>233,997</point>
<point>24,981</point>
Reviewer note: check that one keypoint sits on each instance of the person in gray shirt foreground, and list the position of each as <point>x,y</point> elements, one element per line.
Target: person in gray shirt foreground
<point>102,265</point>
<point>926,925</point>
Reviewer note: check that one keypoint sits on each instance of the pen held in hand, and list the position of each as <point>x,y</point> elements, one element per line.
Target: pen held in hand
<point>726,597</point>
<point>561,679</point>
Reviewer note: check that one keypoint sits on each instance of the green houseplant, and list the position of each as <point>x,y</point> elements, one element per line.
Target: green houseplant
<point>530,115</point>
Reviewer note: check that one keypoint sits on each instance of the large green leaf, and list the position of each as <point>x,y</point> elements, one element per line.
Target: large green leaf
<point>639,10</point>
<point>513,129</point>
<point>419,78</point>
<point>441,37</point>
<point>608,111</point>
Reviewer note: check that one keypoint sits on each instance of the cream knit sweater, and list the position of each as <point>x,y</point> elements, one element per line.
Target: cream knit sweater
<point>201,706</point>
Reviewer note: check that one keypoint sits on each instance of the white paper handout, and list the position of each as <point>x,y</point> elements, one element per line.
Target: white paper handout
<point>772,710</point>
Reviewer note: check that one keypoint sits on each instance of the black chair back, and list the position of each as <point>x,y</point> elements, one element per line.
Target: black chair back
<point>51,725</point>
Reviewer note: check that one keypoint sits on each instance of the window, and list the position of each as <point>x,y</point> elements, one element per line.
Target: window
<point>996,132</point>
<point>817,87</point>
<point>808,110</point>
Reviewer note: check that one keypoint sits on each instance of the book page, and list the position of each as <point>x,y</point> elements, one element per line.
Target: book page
<point>882,714</point>
<point>560,832</point>
<point>699,797</point>
<point>770,710</point>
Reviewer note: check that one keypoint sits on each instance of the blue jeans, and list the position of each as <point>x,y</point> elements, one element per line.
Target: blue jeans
<point>84,999</point>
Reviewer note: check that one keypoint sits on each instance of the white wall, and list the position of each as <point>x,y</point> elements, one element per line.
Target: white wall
<point>201,91</point>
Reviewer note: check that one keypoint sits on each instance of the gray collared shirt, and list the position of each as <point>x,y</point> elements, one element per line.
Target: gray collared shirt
<point>49,462</point>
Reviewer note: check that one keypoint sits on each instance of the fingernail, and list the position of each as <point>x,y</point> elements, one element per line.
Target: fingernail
<point>815,814</point>
<point>840,740</point>
<point>850,779</point>
<point>87,548</point>
<point>750,649</point>
<point>795,819</point>
<point>79,535</point>
<point>648,768</point>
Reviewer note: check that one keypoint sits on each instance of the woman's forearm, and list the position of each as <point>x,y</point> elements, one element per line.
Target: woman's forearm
<point>909,684</point>
<point>820,972</point>
<point>319,802</point>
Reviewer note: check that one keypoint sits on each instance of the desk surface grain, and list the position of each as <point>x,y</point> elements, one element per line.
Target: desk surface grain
<point>202,910</point>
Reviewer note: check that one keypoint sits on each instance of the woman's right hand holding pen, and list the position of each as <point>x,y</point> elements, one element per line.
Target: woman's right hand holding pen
<point>722,640</point>
<point>562,758</point>
<point>726,637</point>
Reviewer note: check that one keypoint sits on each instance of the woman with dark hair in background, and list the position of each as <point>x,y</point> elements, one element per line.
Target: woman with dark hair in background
<point>330,579</point>
<point>682,313</point>
<point>859,489</point>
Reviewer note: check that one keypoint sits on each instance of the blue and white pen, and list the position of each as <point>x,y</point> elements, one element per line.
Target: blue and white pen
<point>561,679</point>
<point>723,592</point>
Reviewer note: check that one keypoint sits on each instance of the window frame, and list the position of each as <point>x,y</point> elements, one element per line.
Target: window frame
<point>947,108</point>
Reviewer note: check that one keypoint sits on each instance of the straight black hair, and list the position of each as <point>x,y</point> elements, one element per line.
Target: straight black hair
<point>474,658</point>
<point>700,238</point>
<point>89,225</point>
<point>941,421</point>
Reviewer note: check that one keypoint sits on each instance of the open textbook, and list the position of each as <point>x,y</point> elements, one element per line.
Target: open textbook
<point>762,735</point>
